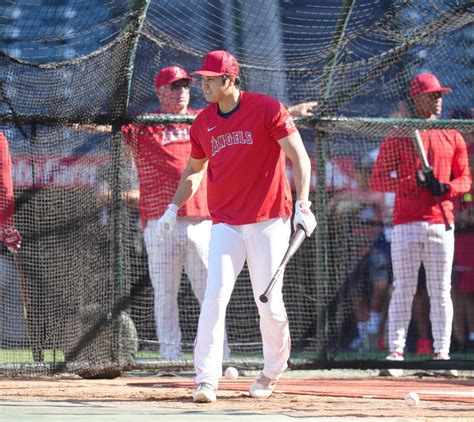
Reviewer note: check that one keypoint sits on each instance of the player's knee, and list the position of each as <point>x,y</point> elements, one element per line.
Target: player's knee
<point>272,309</point>
<point>215,303</point>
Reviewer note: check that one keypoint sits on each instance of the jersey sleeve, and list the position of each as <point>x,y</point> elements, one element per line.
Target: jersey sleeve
<point>7,204</point>
<point>278,120</point>
<point>461,181</point>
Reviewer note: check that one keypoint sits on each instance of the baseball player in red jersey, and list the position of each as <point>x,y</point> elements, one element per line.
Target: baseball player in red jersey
<point>160,154</point>
<point>242,138</point>
<point>10,236</point>
<point>419,235</point>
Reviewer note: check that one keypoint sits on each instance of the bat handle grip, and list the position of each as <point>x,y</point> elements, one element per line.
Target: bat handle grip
<point>443,214</point>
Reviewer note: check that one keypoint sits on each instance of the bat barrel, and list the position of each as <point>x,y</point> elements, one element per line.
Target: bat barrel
<point>295,242</point>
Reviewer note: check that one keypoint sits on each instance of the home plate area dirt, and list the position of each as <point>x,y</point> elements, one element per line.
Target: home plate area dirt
<point>441,399</point>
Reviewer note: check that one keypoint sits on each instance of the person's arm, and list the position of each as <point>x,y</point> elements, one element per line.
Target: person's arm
<point>132,197</point>
<point>294,149</point>
<point>381,180</point>
<point>93,127</point>
<point>7,207</point>
<point>461,181</point>
<point>386,175</point>
<point>188,185</point>
<point>303,109</point>
<point>190,180</point>
<point>10,235</point>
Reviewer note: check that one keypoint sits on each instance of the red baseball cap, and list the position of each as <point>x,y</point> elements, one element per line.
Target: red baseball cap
<point>217,63</point>
<point>170,74</point>
<point>425,83</point>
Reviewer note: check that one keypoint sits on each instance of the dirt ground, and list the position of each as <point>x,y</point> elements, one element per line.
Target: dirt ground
<point>296,398</point>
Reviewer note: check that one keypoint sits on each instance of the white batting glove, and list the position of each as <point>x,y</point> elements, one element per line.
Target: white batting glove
<point>167,221</point>
<point>304,217</point>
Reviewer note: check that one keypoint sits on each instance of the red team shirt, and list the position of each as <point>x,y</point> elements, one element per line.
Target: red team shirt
<point>161,153</point>
<point>396,166</point>
<point>6,184</point>
<point>247,180</point>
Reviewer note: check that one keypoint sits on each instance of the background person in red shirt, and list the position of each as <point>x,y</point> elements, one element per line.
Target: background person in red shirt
<point>13,328</point>
<point>419,235</point>
<point>463,274</point>
<point>10,236</point>
<point>241,139</point>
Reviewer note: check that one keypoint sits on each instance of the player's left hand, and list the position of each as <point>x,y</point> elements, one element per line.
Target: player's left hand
<point>304,217</point>
<point>438,189</point>
<point>11,238</point>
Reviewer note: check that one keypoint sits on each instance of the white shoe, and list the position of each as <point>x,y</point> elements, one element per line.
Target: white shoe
<point>204,393</point>
<point>446,372</point>
<point>394,372</point>
<point>263,387</point>
<point>441,356</point>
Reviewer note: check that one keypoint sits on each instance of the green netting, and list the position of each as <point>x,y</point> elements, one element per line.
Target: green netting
<point>68,64</point>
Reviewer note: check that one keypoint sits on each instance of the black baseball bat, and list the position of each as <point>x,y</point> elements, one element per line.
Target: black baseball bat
<point>418,144</point>
<point>295,242</point>
<point>23,287</point>
<point>36,350</point>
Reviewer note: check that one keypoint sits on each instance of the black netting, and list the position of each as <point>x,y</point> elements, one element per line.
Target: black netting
<point>75,73</point>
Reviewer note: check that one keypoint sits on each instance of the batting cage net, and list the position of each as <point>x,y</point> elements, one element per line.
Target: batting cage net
<point>94,163</point>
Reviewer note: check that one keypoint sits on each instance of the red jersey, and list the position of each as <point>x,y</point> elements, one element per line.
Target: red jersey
<point>396,167</point>
<point>161,153</point>
<point>7,203</point>
<point>247,181</point>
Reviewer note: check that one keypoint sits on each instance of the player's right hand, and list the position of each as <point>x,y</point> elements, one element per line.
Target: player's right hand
<point>167,221</point>
<point>11,238</point>
<point>422,177</point>
<point>303,109</point>
<point>427,179</point>
<point>304,217</point>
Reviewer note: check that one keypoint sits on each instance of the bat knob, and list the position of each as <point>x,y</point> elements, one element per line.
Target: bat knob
<point>263,298</point>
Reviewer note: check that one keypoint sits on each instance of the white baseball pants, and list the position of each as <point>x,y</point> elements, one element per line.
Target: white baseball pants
<point>187,245</point>
<point>412,244</point>
<point>263,245</point>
